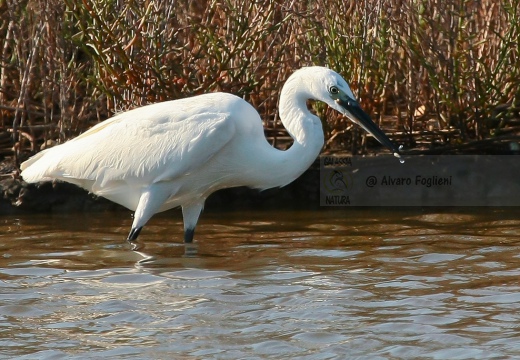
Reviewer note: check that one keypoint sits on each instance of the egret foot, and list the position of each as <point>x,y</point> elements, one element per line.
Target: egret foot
<point>134,233</point>
<point>188,236</point>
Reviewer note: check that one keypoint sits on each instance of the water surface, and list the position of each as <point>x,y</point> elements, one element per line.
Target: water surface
<point>352,283</point>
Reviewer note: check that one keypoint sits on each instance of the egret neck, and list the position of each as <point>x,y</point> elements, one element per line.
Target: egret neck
<point>305,129</point>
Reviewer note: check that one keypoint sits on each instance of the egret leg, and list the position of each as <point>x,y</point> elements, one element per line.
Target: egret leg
<point>134,233</point>
<point>150,202</point>
<point>191,215</point>
<point>188,236</point>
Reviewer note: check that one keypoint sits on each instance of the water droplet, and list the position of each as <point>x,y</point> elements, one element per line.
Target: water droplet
<point>397,155</point>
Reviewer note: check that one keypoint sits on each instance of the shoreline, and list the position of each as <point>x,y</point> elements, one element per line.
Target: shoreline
<point>19,197</point>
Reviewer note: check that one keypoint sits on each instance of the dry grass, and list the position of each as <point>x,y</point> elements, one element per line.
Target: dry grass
<point>429,71</point>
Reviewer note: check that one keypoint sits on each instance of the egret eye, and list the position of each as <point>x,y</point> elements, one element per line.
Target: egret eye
<point>334,90</point>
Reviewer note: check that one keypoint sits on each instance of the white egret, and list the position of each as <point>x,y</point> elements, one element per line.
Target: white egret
<point>176,153</point>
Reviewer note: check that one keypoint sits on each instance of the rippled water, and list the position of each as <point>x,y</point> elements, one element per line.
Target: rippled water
<point>356,284</point>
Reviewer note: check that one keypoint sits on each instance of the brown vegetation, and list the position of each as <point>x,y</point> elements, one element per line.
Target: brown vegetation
<point>429,71</point>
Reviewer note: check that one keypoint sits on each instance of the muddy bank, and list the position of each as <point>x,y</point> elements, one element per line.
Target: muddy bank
<point>17,196</point>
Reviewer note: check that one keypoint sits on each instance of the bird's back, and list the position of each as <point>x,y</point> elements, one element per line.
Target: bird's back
<point>150,144</point>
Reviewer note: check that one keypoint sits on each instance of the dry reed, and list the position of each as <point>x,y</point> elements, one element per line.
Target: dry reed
<point>429,71</point>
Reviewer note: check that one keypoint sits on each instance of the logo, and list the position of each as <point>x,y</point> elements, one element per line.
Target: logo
<point>336,181</point>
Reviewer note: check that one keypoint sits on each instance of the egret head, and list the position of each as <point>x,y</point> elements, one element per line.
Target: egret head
<point>335,91</point>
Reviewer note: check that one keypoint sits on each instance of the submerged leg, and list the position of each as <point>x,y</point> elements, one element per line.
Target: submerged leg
<point>188,235</point>
<point>150,202</point>
<point>134,233</point>
<point>191,215</point>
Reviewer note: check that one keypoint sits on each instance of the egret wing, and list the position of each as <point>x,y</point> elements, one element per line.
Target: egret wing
<point>159,152</point>
<point>137,148</point>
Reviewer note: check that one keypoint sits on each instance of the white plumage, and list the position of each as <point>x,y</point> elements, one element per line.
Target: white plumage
<point>177,153</point>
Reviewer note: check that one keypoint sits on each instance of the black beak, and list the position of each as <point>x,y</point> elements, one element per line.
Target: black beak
<point>357,115</point>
